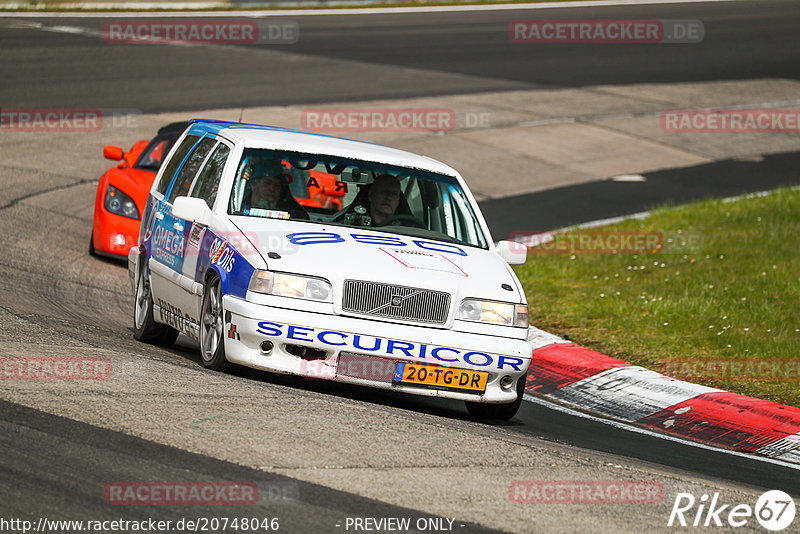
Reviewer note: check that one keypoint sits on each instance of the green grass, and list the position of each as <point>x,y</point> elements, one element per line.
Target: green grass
<point>735,297</point>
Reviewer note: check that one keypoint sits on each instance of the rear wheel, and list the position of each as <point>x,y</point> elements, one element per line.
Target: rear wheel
<point>145,328</point>
<point>212,327</point>
<point>91,245</point>
<point>504,412</point>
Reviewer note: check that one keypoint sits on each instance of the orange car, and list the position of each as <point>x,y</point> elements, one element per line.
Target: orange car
<point>123,189</point>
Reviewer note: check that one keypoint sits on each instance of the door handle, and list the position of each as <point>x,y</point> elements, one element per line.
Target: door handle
<point>159,215</point>
<point>178,226</point>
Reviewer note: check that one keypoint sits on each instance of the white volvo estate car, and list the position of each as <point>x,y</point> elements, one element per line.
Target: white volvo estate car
<point>333,259</point>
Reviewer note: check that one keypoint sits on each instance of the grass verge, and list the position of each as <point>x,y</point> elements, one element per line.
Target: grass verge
<point>719,304</point>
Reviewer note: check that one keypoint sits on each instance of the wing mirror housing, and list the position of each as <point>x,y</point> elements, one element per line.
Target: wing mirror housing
<point>114,153</point>
<point>192,210</point>
<point>513,252</point>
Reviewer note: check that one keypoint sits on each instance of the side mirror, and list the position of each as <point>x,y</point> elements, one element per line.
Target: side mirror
<point>513,252</point>
<point>113,153</point>
<point>192,210</point>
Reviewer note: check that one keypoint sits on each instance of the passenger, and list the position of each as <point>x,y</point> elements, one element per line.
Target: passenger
<point>266,192</point>
<point>269,191</point>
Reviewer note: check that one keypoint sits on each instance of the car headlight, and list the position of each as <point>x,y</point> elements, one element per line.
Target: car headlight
<point>118,202</point>
<point>291,285</point>
<point>487,311</point>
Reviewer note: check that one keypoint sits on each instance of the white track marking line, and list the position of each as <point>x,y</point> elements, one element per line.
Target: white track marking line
<point>351,11</point>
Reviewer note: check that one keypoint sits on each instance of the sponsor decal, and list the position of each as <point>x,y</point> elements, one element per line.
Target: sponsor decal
<point>269,214</point>
<point>429,261</point>
<point>225,258</point>
<point>233,333</point>
<point>318,238</point>
<point>167,245</point>
<point>195,236</point>
<point>174,317</point>
<point>390,347</point>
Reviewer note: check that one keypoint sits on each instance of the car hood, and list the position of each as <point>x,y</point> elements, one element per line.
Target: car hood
<point>339,253</point>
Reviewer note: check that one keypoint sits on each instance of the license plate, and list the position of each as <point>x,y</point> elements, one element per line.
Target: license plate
<point>440,377</point>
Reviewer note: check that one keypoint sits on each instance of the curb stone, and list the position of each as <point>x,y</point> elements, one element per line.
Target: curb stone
<point>570,374</point>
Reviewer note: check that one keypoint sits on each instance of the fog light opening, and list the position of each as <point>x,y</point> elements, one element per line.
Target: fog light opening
<point>307,353</point>
<point>506,382</point>
<point>266,347</point>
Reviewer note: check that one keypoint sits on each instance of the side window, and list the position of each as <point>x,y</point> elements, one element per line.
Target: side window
<point>169,171</point>
<point>207,183</point>
<point>184,180</point>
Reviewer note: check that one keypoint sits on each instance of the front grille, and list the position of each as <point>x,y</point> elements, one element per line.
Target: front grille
<point>410,303</point>
<point>365,367</point>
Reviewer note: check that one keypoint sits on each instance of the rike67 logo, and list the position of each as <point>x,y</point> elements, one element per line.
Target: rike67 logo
<point>774,510</point>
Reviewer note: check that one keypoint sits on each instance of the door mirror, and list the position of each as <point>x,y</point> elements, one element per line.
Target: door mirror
<point>513,252</point>
<point>113,153</point>
<point>192,210</point>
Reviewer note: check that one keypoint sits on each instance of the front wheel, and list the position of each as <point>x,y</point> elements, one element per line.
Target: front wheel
<point>212,327</point>
<point>145,328</point>
<point>504,412</point>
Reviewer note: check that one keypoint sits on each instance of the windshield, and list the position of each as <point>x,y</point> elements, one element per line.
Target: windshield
<point>151,157</point>
<point>357,194</point>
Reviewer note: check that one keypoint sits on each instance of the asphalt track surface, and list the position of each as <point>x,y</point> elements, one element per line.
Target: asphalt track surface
<point>55,465</point>
<point>605,199</point>
<point>336,59</point>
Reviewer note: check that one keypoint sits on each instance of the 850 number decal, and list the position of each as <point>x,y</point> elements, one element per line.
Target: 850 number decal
<point>319,238</point>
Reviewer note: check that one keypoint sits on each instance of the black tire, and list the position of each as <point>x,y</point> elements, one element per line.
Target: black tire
<point>503,412</point>
<point>145,328</point>
<point>91,245</point>
<point>212,327</point>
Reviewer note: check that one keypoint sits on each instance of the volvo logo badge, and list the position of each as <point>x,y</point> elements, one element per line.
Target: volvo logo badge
<point>396,301</point>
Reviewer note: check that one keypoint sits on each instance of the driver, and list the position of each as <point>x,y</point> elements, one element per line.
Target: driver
<point>384,197</point>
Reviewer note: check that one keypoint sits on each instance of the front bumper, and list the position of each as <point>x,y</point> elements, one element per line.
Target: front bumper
<point>114,235</point>
<point>365,352</point>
